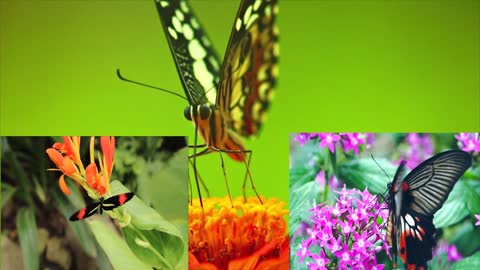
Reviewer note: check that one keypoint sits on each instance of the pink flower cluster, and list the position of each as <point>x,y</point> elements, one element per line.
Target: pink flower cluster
<point>346,235</point>
<point>421,148</point>
<point>348,141</point>
<point>333,182</point>
<point>451,250</point>
<point>469,142</point>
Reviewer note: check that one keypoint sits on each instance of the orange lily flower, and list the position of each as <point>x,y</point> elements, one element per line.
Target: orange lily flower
<point>249,236</point>
<point>66,157</point>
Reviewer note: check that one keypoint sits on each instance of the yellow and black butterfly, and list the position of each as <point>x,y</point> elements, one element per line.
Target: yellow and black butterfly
<point>413,200</point>
<point>226,99</point>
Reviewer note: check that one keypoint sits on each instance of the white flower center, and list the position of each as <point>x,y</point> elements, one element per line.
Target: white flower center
<point>361,243</point>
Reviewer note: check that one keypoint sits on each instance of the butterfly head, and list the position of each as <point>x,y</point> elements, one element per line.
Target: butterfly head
<point>204,111</point>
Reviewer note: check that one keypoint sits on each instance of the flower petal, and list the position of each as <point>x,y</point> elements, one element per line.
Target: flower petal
<point>91,174</point>
<point>55,156</point>
<point>194,264</point>
<point>108,149</point>
<point>63,185</point>
<point>68,166</point>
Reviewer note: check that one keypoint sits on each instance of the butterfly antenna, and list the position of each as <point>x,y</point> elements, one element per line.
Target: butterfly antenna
<point>147,85</point>
<point>381,168</point>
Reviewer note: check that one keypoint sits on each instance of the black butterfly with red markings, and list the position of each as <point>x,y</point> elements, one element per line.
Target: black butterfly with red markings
<point>413,200</point>
<point>103,204</point>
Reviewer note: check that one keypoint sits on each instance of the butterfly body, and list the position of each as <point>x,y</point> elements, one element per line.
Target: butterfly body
<point>103,204</point>
<point>227,99</point>
<point>413,201</point>
<point>212,126</point>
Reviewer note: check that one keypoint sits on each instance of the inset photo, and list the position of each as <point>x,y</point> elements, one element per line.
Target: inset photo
<point>384,200</point>
<point>94,202</point>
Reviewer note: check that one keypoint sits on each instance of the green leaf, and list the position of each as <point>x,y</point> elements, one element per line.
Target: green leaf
<point>465,236</point>
<point>81,229</point>
<point>301,200</point>
<point>472,262</point>
<point>453,210</point>
<point>27,234</point>
<point>101,260</point>
<point>7,193</point>
<point>116,249</point>
<point>152,238</point>
<point>164,186</point>
<point>365,173</point>
<point>19,173</point>
<point>300,176</point>
<point>472,196</point>
<point>300,156</point>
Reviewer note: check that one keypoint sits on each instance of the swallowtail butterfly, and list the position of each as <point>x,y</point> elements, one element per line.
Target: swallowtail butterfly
<point>229,99</point>
<point>104,204</point>
<point>413,201</point>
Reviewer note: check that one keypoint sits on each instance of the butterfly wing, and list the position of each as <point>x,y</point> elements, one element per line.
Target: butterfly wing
<point>416,239</point>
<point>197,63</point>
<point>116,201</point>
<point>430,182</point>
<point>249,70</point>
<point>85,212</point>
<point>417,197</point>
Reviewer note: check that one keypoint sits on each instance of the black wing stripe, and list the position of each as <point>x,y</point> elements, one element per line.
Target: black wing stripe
<point>114,201</point>
<point>87,211</point>
<point>431,182</point>
<point>197,63</point>
<point>249,71</point>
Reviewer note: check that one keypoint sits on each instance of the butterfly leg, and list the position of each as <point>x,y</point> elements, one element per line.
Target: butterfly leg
<point>248,174</point>
<point>198,179</point>
<point>204,186</point>
<point>225,177</point>
<point>197,146</point>
<point>195,166</point>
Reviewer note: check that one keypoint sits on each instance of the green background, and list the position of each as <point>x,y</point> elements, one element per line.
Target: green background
<point>391,66</point>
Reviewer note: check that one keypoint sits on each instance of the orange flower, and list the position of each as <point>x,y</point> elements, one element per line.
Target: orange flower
<point>66,157</point>
<point>249,236</point>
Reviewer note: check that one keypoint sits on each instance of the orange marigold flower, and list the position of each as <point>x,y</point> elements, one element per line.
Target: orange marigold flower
<point>247,236</point>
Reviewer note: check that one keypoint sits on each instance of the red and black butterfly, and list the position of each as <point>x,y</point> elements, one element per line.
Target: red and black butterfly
<point>103,204</point>
<point>413,201</point>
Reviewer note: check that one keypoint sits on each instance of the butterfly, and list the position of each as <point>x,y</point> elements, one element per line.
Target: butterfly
<point>413,200</point>
<point>103,204</point>
<point>226,99</point>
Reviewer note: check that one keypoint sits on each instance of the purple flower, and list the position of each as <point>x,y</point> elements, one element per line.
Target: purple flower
<point>334,182</point>
<point>453,254</point>
<point>328,140</point>
<point>352,141</point>
<point>347,233</point>
<point>478,220</point>
<point>320,178</point>
<point>302,138</point>
<point>469,142</point>
<point>348,141</point>
<point>370,138</point>
<point>361,242</point>
<point>443,247</point>
<point>319,261</point>
<point>421,148</point>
